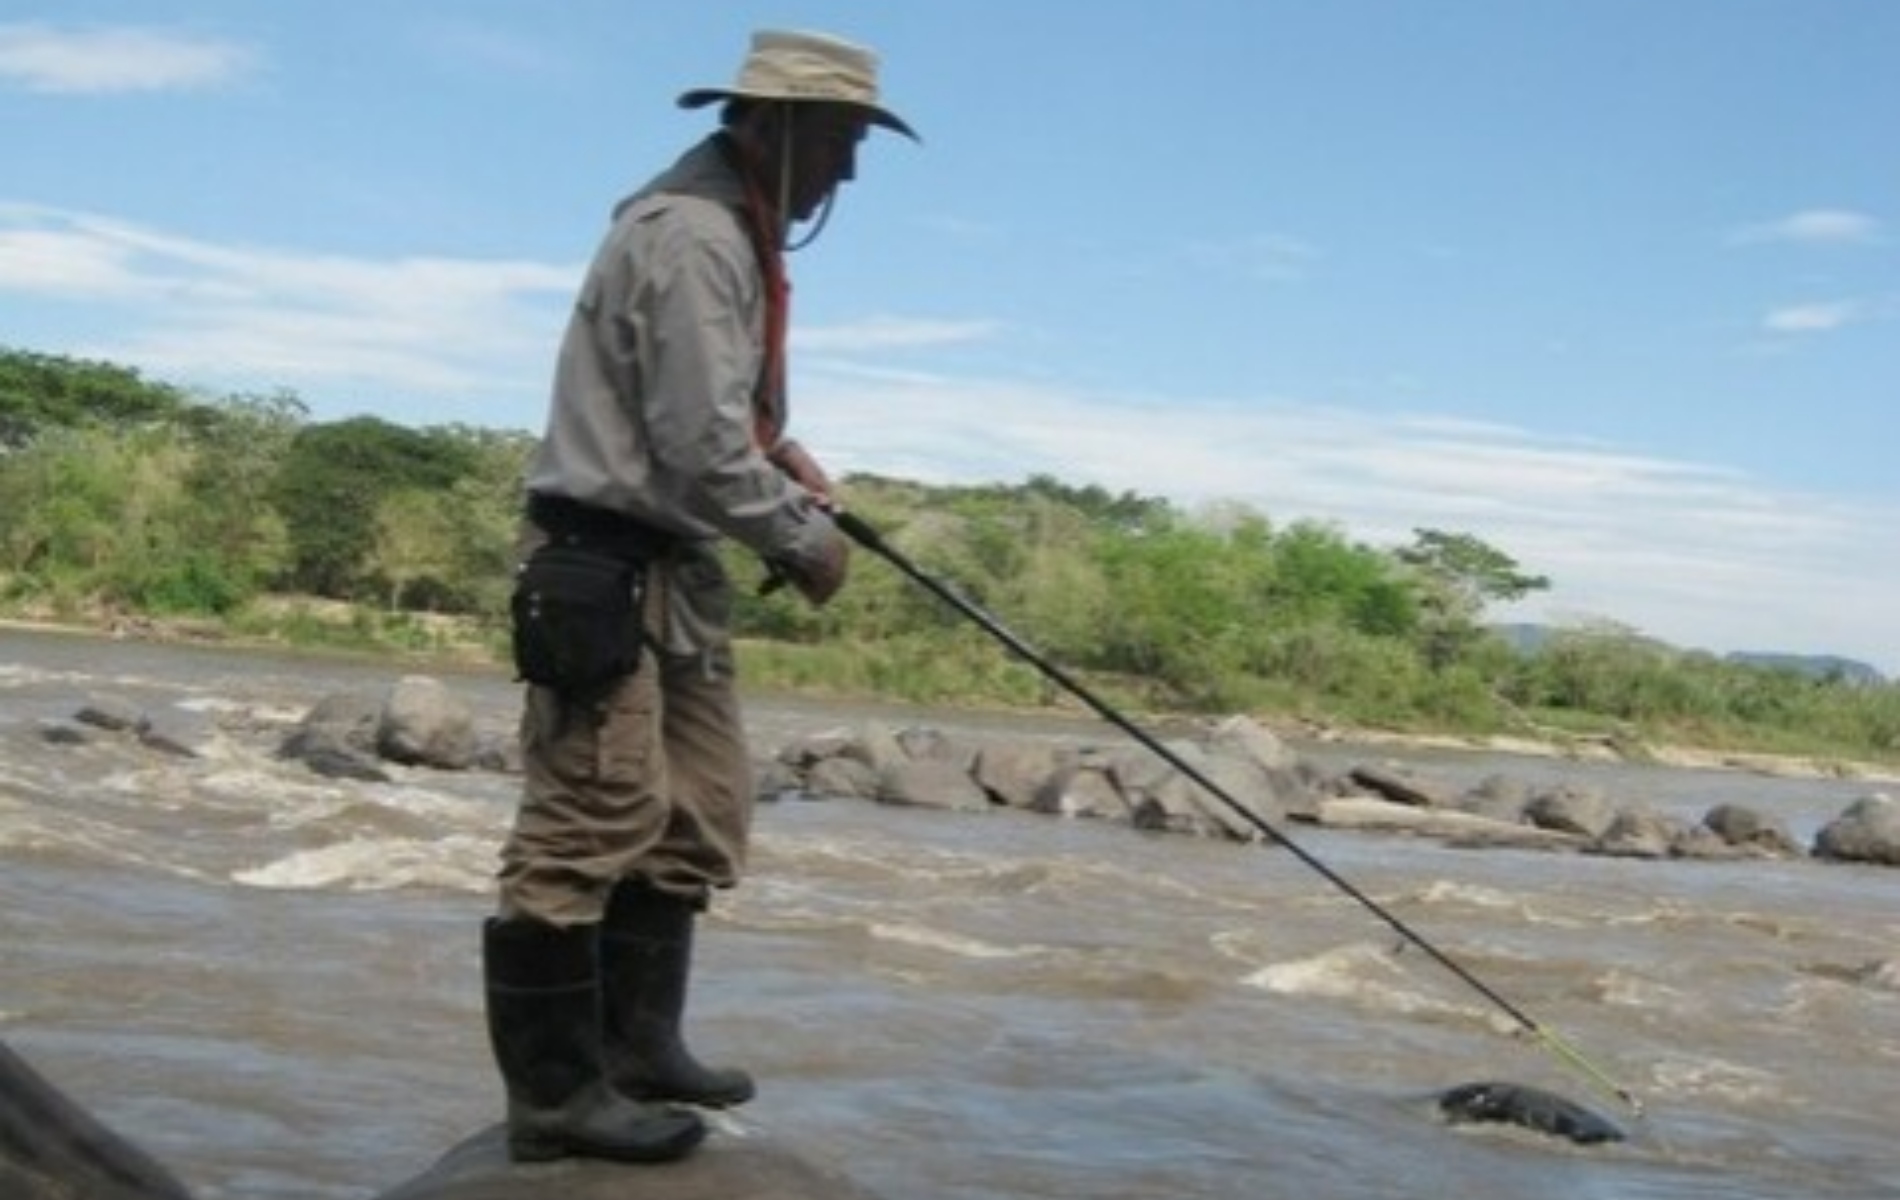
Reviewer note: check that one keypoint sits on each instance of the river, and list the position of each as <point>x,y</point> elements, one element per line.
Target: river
<point>271,980</point>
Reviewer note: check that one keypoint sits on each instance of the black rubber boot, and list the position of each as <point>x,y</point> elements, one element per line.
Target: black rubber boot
<point>646,955</point>
<point>544,1021</point>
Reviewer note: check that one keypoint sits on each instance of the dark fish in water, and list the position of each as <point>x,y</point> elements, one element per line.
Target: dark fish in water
<point>1532,1108</point>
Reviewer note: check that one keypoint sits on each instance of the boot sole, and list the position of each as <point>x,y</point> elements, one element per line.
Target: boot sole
<point>541,1148</point>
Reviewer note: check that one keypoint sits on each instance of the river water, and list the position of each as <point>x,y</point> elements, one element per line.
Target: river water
<point>270,980</point>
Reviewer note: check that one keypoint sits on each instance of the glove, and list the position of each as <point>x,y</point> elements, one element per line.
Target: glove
<point>818,581</point>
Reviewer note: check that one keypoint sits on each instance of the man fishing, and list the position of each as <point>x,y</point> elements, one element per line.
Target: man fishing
<point>665,433</point>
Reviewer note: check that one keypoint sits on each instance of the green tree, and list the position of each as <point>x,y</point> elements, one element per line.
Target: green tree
<point>1459,575</point>
<point>333,481</point>
<point>39,392</point>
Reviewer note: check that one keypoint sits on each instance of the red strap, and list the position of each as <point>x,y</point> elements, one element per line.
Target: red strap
<point>768,398</point>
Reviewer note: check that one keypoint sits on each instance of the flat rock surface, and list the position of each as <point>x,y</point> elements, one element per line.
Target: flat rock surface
<point>736,1162</point>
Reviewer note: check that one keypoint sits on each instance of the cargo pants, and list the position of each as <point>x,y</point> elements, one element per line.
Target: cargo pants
<point>651,782</point>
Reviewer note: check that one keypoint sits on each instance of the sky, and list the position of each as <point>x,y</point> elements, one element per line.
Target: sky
<point>1613,285</point>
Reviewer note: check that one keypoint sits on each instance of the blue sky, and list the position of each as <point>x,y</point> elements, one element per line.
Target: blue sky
<point>1611,284</point>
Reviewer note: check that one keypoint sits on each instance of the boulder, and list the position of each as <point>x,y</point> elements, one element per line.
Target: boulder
<point>337,737</point>
<point>52,1149</point>
<point>1639,833</point>
<point>736,1163</point>
<point>1084,788</point>
<point>1399,787</point>
<point>930,783</point>
<point>1571,810</point>
<point>424,724</point>
<point>1868,832</point>
<point>1750,830</point>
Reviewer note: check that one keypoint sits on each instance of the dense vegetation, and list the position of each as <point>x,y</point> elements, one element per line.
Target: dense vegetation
<point>123,499</point>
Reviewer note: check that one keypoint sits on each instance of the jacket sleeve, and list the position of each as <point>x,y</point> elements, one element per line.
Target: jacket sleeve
<point>696,315</point>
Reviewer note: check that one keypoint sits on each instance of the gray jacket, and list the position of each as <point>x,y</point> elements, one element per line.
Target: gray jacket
<point>652,408</point>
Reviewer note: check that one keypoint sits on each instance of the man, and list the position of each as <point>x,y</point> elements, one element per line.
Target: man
<point>665,433</point>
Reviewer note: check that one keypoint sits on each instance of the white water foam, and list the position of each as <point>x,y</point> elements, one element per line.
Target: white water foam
<point>457,863</point>
<point>926,938</point>
<point>1363,973</point>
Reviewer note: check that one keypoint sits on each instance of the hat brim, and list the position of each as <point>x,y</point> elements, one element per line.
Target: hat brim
<point>701,97</point>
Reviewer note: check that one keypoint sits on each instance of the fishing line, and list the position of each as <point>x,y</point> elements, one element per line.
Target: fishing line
<point>1566,1055</point>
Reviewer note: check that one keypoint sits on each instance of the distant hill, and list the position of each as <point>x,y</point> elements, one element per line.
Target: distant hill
<point>1530,638</point>
<point>1819,666</point>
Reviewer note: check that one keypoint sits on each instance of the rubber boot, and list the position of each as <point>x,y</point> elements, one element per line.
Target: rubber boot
<point>646,949</point>
<point>544,1022</point>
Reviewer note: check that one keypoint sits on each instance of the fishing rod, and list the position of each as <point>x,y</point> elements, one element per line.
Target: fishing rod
<point>1567,1055</point>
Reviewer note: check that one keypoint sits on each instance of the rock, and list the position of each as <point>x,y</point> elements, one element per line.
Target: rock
<point>63,733</point>
<point>1399,787</point>
<point>1083,788</point>
<point>52,1149</point>
<point>1571,810</point>
<point>1639,833</point>
<point>424,724</point>
<point>931,783</point>
<point>345,722</point>
<point>113,714</point>
<point>1014,774</point>
<point>1528,1107</point>
<point>1462,828</point>
<point>1868,832</point>
<point>1500,797</point>
<point>1702,844</point>
<point>1246,739</point>
<point>736,1163</point>
<point>848,778</point>
<point>1748,829</point>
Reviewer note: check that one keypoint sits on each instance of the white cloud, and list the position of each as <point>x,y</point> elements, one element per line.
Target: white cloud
<point>1815,226</point>
<point>1695,554</point>
<point>890,333</point>
<point>111,59</point>
<point>1812,318</point>
<point>416,330</point>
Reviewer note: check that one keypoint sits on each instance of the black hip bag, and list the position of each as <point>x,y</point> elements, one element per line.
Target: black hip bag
<point>576,611</point>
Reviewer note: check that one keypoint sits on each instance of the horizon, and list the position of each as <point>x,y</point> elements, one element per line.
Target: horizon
<point>1610,287</point>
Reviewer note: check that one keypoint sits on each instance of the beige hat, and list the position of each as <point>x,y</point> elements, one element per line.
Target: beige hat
<point>806,66</point>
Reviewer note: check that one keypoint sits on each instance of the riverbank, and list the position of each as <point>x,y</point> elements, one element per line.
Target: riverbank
<point>450,646</point>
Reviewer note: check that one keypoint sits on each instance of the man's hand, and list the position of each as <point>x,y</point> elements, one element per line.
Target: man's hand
<point>821,582</point>
<point>798,464</point>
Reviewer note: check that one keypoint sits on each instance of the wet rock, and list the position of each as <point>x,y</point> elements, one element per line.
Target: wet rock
<point>1529,1108</point>
<point>1013,775</point>
<point>1500,797</point>
<point>1246,739</point>
<point>1575,810</point>
<point>1369,813</point>
<point>113,714</point>
<point>1081,789</point>
<point>1639,833</point>
<point>63,733</point>
<point>424,724</point>
<point>1399,787</point>
<point>1867,832</point>
<point>343,721</point>
<point>52,1149</point>
<point>1750,830</point>
<point>931,783</point>
<point>849,778</point>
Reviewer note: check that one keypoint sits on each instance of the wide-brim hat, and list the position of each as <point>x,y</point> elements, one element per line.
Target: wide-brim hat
<point>810,67</point>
